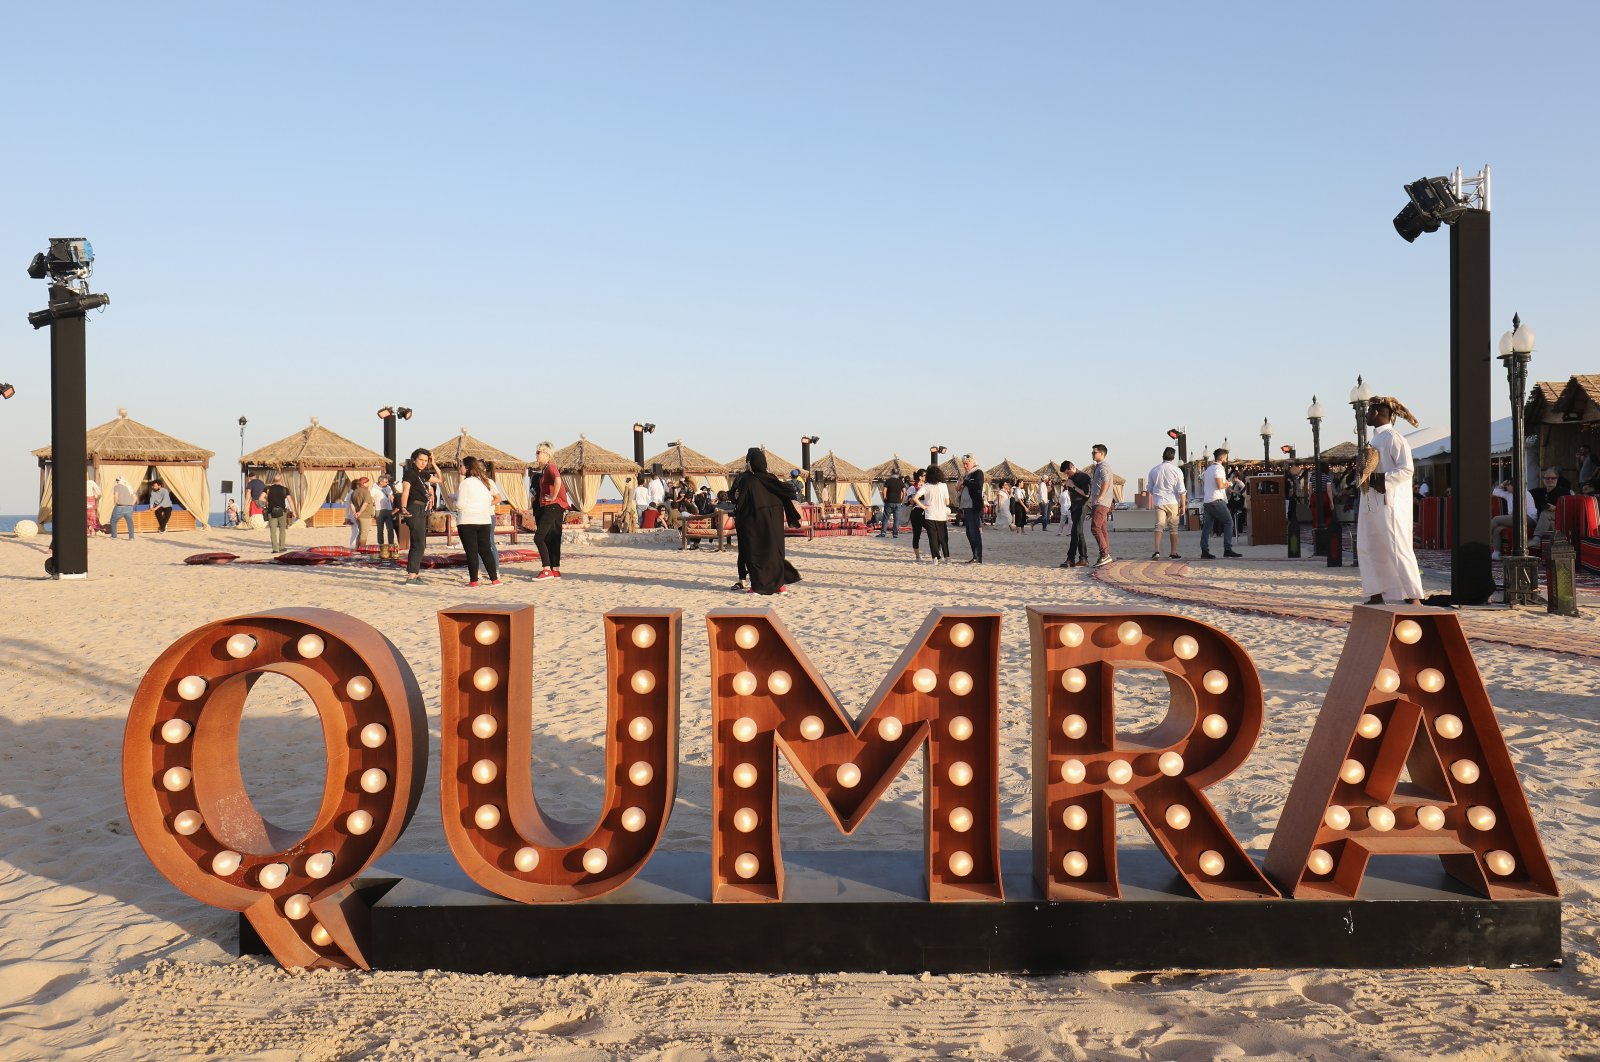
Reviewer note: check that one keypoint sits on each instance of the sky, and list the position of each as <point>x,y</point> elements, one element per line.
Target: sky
<point>1013,229</point>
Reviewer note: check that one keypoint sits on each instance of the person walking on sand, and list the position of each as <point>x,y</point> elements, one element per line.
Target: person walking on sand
<point>280,509</point>
<point>552,509</point>
<point>1101,487</point>
<point>1165,484</point>
<point>919,516</point>
<point>92,502</point>
<point>383,508</point>
<point>765,503</point>
<point>1214,493</point>
<point>475,503</point>
<point>414,507</point>
<point>932,500</point>
<point>1388,562</point>
<point>1075,484</point>
<point>123,499</point>
<point>363,510</point>
<point>971,503</point>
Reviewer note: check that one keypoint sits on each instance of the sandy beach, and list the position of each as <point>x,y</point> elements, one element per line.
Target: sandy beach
<point>100,957</point>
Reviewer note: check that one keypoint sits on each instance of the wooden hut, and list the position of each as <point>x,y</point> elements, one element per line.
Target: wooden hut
<point>583,465</point>
<point>510,472</point>
<point>895,466</point>
<point>678,461</point>
<point>318,466</point>
<point>138,453</point>
<point>1565,422</point>
<point>833,474</point>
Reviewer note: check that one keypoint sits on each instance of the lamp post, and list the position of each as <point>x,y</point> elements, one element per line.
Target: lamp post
<point>1359,394</point>
<point>390,414</point>
<point>1319,526</point>
<point>934,453</point>
<point>1266,443</point>
<point>1520,570</point>
<point>640,430</point>
<point>805,461</point>
<point>237,497</point>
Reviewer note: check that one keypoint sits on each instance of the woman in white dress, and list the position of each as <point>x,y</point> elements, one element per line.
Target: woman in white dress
<point>1002,508</point>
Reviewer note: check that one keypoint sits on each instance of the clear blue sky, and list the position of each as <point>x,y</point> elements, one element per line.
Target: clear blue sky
<point>1016,229</point>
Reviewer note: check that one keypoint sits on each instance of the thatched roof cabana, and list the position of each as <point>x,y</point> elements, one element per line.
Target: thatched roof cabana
<point>1050,471</point>
<point>583,465</point>
<point>1008,471</point>
<point>778,466</point>
<point>680,460</point>
<point>124,447</point>
<point>317,465</point>
<point>510,471</point>
<point>895,466</point>
<point>833,474</point>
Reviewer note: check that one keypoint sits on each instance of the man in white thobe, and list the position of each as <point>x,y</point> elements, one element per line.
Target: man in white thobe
<point>1383,536</point>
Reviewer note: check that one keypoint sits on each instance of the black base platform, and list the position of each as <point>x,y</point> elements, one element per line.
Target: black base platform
<point>864,911</point>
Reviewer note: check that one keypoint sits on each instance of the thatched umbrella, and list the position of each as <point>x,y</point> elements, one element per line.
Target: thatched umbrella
<point>1050,471</point>
<point>1008,471</point>
<point>680,460</point>
<point>583,465</point>
<point>1339,453</point>
<point>124,447</point>
<point>319,464</point>
<point>510,471</point>
<point>895,466</point>
<point>778,466</point>
<point>833,473</point>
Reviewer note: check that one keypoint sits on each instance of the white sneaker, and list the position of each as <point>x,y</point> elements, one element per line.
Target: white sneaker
<point>1495,555</point>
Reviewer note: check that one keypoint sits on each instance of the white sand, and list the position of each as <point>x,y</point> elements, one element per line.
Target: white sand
<point>101,957</point>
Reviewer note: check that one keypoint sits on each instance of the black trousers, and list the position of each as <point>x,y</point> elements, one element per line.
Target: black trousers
<point>478,541</point>
<point>547,535</point>
<point>919,520</point>
<point>163,514</point>
<point>417,522</point>
<point>1077,550</point>
<point>938,539</point>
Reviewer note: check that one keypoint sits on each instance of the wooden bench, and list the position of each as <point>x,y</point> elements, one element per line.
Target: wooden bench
<point>698,527</point>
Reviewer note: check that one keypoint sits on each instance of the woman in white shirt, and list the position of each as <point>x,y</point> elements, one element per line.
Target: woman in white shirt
<point>933,498</point>
<point>475,520</point>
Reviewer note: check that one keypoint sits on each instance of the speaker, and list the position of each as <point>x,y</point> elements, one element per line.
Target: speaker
<point>227,486</point>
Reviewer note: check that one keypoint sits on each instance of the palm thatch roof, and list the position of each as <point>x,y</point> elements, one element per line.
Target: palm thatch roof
<point>1542,399</point>
<point>680,460</point>
<point>1345,451</point>
<point>1010,472</point>
<point>837,470</point>
<point>1580,396</point>
<point>449,453</point>
<point>314,447</point>
<point>125,439</point>
<point>1050,470</point>
<point>585,458</point>
<point>895,466</point>
<point>778,466</point>
<point>952,470</point>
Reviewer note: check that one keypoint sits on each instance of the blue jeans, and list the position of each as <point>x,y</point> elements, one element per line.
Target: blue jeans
<point>121,512</point>
<point>388,527</point>
<point>973,519</point>
<point>891,520</point>
<point>1217,515</point>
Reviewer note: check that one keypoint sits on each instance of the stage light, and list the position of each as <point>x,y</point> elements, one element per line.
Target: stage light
<point>403,412</point>
<point>6,390</point>
<point>69,258</point>
<point>386,412</point>
<point>1440,200</point>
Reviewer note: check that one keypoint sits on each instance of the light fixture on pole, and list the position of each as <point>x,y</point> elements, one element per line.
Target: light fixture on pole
<point>1521,571</point>
<point>934,453</point>
<point>6,390</point>
<point>1360,394</point>
<point>1287,450</point>
<point>805,460</point>
<point>242,476</point>
<point>1266,442</point>
<point>640,430</point>
<point>1319,525</point>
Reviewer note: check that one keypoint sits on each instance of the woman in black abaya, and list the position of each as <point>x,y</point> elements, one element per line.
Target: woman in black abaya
<point>764,503</point>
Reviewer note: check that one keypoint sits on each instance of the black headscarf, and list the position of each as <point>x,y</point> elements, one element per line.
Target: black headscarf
<point>759,477</point>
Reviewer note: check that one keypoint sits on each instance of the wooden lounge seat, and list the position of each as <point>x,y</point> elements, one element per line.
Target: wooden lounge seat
<point>699,527</point>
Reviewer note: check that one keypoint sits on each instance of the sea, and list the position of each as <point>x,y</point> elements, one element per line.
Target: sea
<point>8,524</point>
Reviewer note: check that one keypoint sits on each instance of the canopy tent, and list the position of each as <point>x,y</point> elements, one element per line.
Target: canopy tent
<point>510,472</point>
<point>833,474</point>
<point>895,466</point>
<point>318,465</point>
<point>679,460</point>
<point>583,465</point>
<point>124,447</point>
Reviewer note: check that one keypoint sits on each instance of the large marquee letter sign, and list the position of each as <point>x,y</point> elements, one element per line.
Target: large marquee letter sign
<point>1081,770</point>
<point>499,834</point>
<point>186,796</point>
<point>766,696</point>
<point>1407,758</point>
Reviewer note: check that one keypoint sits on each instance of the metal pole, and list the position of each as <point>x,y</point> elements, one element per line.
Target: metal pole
<point>1471,570</point>
<point>1319,523</point>
<point>391,451</point>
<point>638,445</point>
<point>69,449</point>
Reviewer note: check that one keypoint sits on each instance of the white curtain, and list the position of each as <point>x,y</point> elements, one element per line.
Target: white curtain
<point>718,484</point>
<point>514,483</point>
<point>188,485</point>
<point>582,491</point>
<point>106,474</point>
<point>46,487</point>
<point>310,487</point>
<point>451,478</point>
<point>863,492</point>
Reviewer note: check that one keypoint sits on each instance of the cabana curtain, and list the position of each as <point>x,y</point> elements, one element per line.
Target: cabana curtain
<point>188,485</point>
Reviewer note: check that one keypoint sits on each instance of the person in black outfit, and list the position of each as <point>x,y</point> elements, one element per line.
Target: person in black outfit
<point>1075,492</point>
<point>765,502</point>
<point>919,519</point>
<point>413,502</point>
<point>893,490</point>
<point>971,503</point>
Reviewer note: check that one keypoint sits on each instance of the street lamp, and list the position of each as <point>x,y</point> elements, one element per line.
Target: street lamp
<point>1359,395</point>
<point>640,430</point>
<point>1266,442</point>
<point>1319,528</point>
<point>1520,570</point>
<point>390,414</point>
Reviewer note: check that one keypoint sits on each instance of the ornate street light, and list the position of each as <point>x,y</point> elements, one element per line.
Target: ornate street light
<point>1266,442</point>
<point>1319,499</point>
<point>1359,395</point>
<point>1520,570</point>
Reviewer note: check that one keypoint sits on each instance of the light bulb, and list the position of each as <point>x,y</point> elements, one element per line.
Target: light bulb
<point>640,773</point>
<point>1075,864</point>
<point>1319,862</point>
<point>319,865</point>
<point>485,771</point>
<point>747,866</point>
<point>811,727</point>
<point>191,687</point>
<point>225,863</point>
<point>373,735</point>
<point>1071,635</point>
<point>1408,631</point>
<point>310,646</point>
<point>484,725</point>
<point>1380,819</point>
<point>526,859</point>
<point>187,823</point>
<point>643,681</point>
<point>176,779</point>
<point>1212,863</point>
<point>595,860</point>
<point>960,773</point>
<point>1481,818</point>
<point>745,820</point>
<point>640,728</point>
<point>744,683</point>
<point>1464,771</point>
<point>273,875</point>
<point>1170,764</point>
<point>890,729</point>
<point>1178,817</point>
<point>744,775</point>
<point>745,729</point>
<point>960,864</point>
<point>1073,772</point>
<point>297,906</point>
<point>485,679</point>
<point>241,646</point>
<point>320,935</point>
<point>1337,817</point>
<point>1431,679</point>
<point>746,636</point>
<point>643,635</point>
<point>1352,772</point>
<point>633,819</point>
<point>1448,727</point>
<point>1074,726</point>
<point>176,731</point>
<point>1074,817</point>
<point>1501,862</point>
<point>960,820</point>
<point>1120,772</point>
<point>849,775</point>
<point>960,683</point>
<point>1430,817</point>
<point>1215,681</point>
<point>1184,647</point>
<point>1214,726</point>
<point>358,822</point>
<point>923,680</point>
<point>1388,680</point>
<point>358,688</point>
<point>779,683</point>
<point>1073,680</point>
<point>960,728</point>
<point>961,635</point>
<point>1369,725</point>
<point>1129,632</point>
<point>487,632</point>
<point>374,780</point>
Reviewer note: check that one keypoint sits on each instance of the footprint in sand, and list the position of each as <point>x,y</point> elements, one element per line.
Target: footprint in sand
<point>573,1021</point>
<point>1335,995</point>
